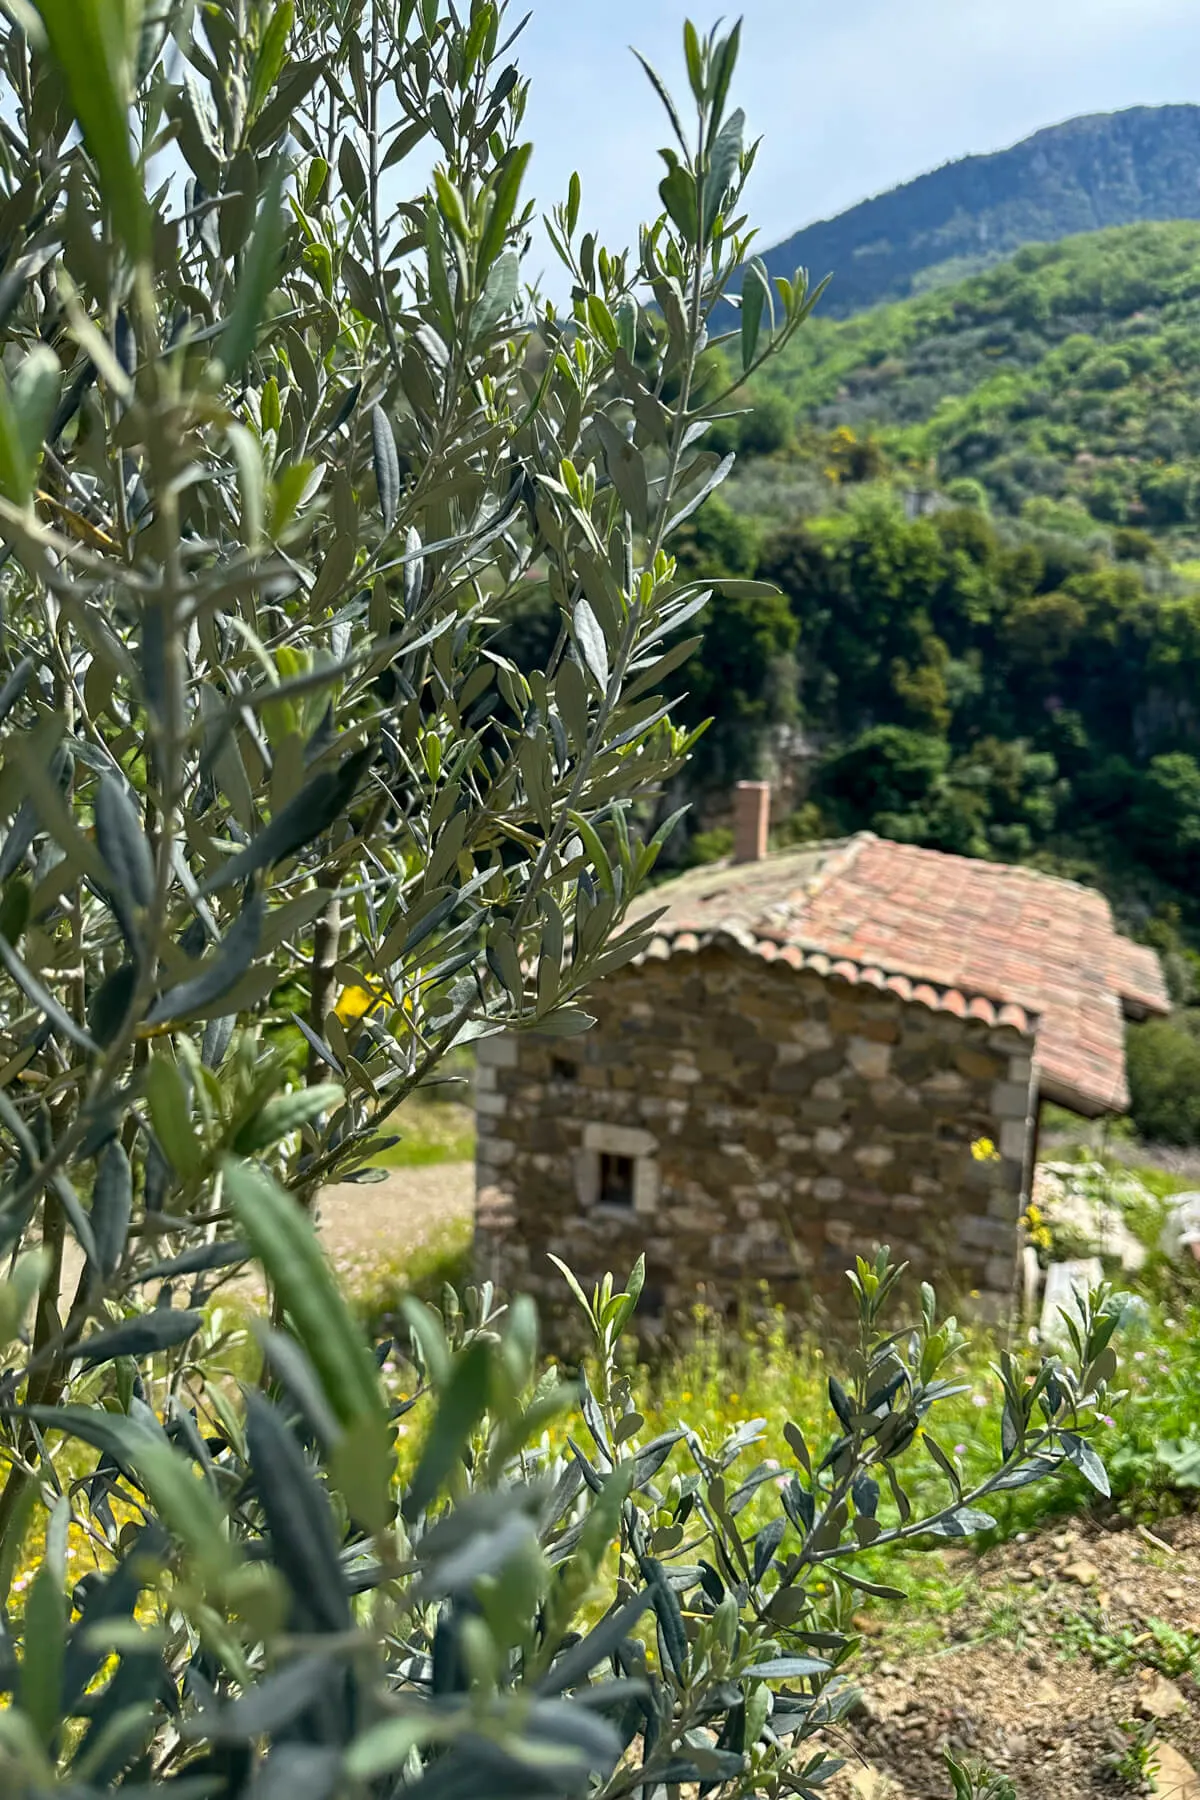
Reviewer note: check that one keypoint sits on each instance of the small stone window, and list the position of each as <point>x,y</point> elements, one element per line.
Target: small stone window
<point>562,1068</point>
<point>616,1170</point>
<point>616,1180</point>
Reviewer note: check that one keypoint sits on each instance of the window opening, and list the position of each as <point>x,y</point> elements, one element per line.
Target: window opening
<point>616,1180</point>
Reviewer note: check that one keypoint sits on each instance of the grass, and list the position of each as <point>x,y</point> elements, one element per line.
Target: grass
<point>1152,1644</point>
<point>437,1124</point>
<point>442,1262</point>
<point>430,1131</point>
<point>767,1370</point>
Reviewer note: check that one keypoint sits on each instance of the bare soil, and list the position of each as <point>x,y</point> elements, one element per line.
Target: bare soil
<point>370,1228</point>
<point>366,1224</point>
<point>1007,1690</point>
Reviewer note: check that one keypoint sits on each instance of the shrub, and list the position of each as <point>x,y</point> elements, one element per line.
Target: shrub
<point>710,846</point>
<point>767,427</point>
<point>1165,816</point>
<point>761,426</point>
<point>886,771</point>
<point>965,491</point>
<point>1163,1058</point>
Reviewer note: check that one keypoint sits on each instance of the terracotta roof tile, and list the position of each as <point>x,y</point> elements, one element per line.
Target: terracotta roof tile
<point>988,941</point>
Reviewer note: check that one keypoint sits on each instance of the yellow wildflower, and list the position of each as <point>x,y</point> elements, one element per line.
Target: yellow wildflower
<point>354,1002</point>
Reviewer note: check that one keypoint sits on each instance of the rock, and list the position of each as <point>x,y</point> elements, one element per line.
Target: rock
<point>1160,1700</point>
<point>1067,1194</point>
<point>867,1626</point>
<point>1082,1572</point>
<point>1065,1282</point>
<point>1181,1228</point>
<point>862,1707</point>
<point>1174,1776</point>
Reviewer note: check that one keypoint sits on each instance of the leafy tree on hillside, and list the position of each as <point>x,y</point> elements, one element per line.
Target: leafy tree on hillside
<point>887,773</point>
<point>1165,816</point>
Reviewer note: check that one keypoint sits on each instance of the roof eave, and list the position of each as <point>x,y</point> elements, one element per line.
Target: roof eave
<point>1088,1104</point>
<point>1138,1007</point>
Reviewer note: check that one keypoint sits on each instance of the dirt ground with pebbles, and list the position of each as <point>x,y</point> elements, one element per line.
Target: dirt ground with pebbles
<point>362,1223</point>
<point>1022,1682</point>
<point>371,1228</point>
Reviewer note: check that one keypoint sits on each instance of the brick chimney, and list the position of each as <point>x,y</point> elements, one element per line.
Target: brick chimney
<point>751,817</point>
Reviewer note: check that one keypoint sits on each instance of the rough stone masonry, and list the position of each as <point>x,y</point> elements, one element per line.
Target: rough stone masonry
<point>752,1127</point>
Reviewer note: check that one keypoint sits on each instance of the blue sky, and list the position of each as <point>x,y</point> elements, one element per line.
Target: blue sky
<point>850,96</point>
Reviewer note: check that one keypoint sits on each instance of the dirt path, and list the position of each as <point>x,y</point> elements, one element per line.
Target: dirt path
<point>369,1227</point>
<point>1046,1673</point>
<point>366,1225</point>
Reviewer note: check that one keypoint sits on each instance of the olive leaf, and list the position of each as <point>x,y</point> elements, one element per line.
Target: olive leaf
<point>126,852</point>
<point>305,817</point>
<point>112,1206</point>
<point>387,465</point>
<point>223,970</point>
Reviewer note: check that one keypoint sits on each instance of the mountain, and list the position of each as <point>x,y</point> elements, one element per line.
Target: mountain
<point>1090,173</point>
<point>1069,374</point>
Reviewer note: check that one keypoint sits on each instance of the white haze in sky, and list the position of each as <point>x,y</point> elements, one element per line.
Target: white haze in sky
<point>850,96</point>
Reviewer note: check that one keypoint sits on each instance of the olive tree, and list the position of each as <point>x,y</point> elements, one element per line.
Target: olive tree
<point>279,445</point>
<point>283,440</point>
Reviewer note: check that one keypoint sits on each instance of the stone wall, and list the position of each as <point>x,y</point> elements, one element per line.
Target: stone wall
<point>742,1123</point>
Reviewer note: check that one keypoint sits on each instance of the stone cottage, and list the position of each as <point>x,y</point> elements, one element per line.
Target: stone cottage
<point>816,1053</point>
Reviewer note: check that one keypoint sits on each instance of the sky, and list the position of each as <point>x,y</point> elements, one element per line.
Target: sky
<point>850,96</point>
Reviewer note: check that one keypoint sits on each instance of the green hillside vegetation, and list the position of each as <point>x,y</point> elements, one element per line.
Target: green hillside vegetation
<point>965,686</point>
<point>1069,376</point>
<point>1085,175</point>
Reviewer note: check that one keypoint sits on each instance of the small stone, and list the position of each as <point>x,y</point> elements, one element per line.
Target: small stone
<point>868,1627</point>
<point>1038,1570</point>
<point>1160,1700</point>
<point>868,1059</point>
<point>1174,1594</point>
<point>1082,1572</point>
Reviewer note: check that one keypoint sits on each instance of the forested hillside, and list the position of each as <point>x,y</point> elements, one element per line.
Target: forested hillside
<point>978,513</point>
<point>1071,372</point>
<point>1084,175</point>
